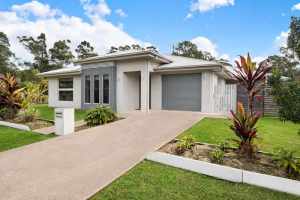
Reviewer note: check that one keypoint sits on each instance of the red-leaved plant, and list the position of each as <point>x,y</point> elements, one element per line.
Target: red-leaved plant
<point>252,79</point>
<point>244,128</point>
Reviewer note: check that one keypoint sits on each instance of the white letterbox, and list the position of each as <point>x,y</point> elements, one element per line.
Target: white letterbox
<point>64,121</point>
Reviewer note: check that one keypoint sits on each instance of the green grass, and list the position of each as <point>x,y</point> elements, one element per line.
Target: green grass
<point>47,113</point>
<point>150,180</point>
<point>12,138</point>
<point>272,133</point>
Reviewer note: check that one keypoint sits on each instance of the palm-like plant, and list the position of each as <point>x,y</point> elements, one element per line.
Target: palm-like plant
<point>10,95</point>
<point>251,77</point>
<point>288,161</point>
<point>244,128</point>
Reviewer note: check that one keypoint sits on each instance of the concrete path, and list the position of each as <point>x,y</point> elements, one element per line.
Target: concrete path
<point>77,166</point>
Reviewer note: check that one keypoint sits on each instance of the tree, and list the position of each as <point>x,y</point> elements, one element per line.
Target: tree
<point>293,41</point>
<point>189,49</point>
<point>285,66</point>
<point>38,48</point>
<point>61,53</point>
<point>5,55</point>
<point>85,50</point>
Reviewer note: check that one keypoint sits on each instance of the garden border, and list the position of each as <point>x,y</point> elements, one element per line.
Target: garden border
<point>228,173</point>
<point>15,125</point>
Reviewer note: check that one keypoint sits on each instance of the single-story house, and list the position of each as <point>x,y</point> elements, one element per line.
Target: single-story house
<point>143,80</point>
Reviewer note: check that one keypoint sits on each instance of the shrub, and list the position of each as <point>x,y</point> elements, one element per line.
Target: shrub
<point>224,145</point>
<point>100,115</point>
<point>217,156</point>
<point>288,161</point>
<point>28,114</point>
<point>244,128</point>
<point>186,143</point>
<point>10,96</point>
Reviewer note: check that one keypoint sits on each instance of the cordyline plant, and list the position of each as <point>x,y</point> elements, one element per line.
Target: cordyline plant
<point>252,79</point>
<point>244,128</point>
<point>10,96</point>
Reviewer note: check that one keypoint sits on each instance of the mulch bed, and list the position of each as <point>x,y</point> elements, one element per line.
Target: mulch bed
<point>262,163</point>
<point>36,124</point>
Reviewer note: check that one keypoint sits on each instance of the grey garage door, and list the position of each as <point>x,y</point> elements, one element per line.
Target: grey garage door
<point>181,92</point>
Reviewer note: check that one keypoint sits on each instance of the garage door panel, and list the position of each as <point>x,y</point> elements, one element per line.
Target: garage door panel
<point>182,92</point>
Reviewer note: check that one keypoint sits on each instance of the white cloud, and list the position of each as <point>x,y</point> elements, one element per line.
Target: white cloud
<point>98,10</point>
<point>206,5</point>
<point>188,16</point>
<point>35,8</point>
<point>258,59</point>
<point>225,57</point>
<point>121,13</point>
<point>101,33</point>
<point>281,39</point>
<point>204,44</point>
<point>296,7</point>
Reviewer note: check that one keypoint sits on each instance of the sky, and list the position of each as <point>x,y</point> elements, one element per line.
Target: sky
<point>226,28</point>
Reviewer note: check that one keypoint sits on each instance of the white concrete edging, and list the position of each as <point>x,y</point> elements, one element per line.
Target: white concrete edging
<point>272,182</point>
<point>16,126</point>
<point>228,173</point>
<point>218,171</point>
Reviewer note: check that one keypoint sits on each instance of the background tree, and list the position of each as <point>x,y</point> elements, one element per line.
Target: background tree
<point>85,50</point>
<point>61,53</point>
<point>38,48</point>
<point>5,55</point>
<point>189,49</point>
<point>293,41</point>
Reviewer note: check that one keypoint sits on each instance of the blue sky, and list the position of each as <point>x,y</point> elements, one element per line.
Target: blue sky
<point>233,27</point>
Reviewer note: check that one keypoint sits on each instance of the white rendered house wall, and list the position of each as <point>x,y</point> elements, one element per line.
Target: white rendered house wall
<point>53,93</point>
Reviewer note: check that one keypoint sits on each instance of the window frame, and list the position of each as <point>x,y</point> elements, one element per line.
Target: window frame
<point>108,78</point>
<point>66,89</point>
<point>96,75</point>
<point>85,95</point>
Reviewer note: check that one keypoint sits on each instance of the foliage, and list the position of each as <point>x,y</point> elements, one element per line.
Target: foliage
<point>38,48</point>
<point>28,75</point>
<point>35,93</point>
<point>61,53</point>
<point>28,112</point>
<point>217,156</point>
<point>250,77</point>
<point>10,95</point>
<point>189,49</point>
<point>186,143</point>
<point>224,145</point>
<point>285,65</point>
<point>85,50</point>
<point>288,161</point>
<point>244,128</point>
<point>293,41</point>
<point>6,65</point>
<point>100,115</point>
<point>286,89</point>
<point>136,47</point>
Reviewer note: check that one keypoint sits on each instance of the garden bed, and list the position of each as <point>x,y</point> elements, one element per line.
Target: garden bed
<point>35,124</point>
<point>262,163</point>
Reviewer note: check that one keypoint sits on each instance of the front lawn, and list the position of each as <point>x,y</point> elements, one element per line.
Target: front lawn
<point>149,180</point>
<point>47,113</point>
<point>272,132</point>
<point>12,138</point>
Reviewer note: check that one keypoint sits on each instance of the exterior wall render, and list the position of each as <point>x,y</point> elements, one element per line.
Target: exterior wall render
<point>53,99</point>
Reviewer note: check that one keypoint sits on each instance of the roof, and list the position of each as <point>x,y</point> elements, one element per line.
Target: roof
<point>184,62</point>
<point>67,70</point>
<point>124,55</point>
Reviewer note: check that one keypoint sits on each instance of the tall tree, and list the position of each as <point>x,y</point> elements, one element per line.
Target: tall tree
<point>5,54</point>
<point>85,50</point>
<point>293,41</point>
<point>38,48</point>
<point>61,53</point>
<point>189,49</point>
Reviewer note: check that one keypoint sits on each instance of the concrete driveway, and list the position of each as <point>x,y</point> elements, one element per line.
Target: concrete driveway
<point>77,166</point>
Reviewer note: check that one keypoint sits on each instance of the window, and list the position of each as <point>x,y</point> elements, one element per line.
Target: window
<point>106,89</point>
<point>87,89</point>
<point>65,89</point>
<point>96,89</point>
